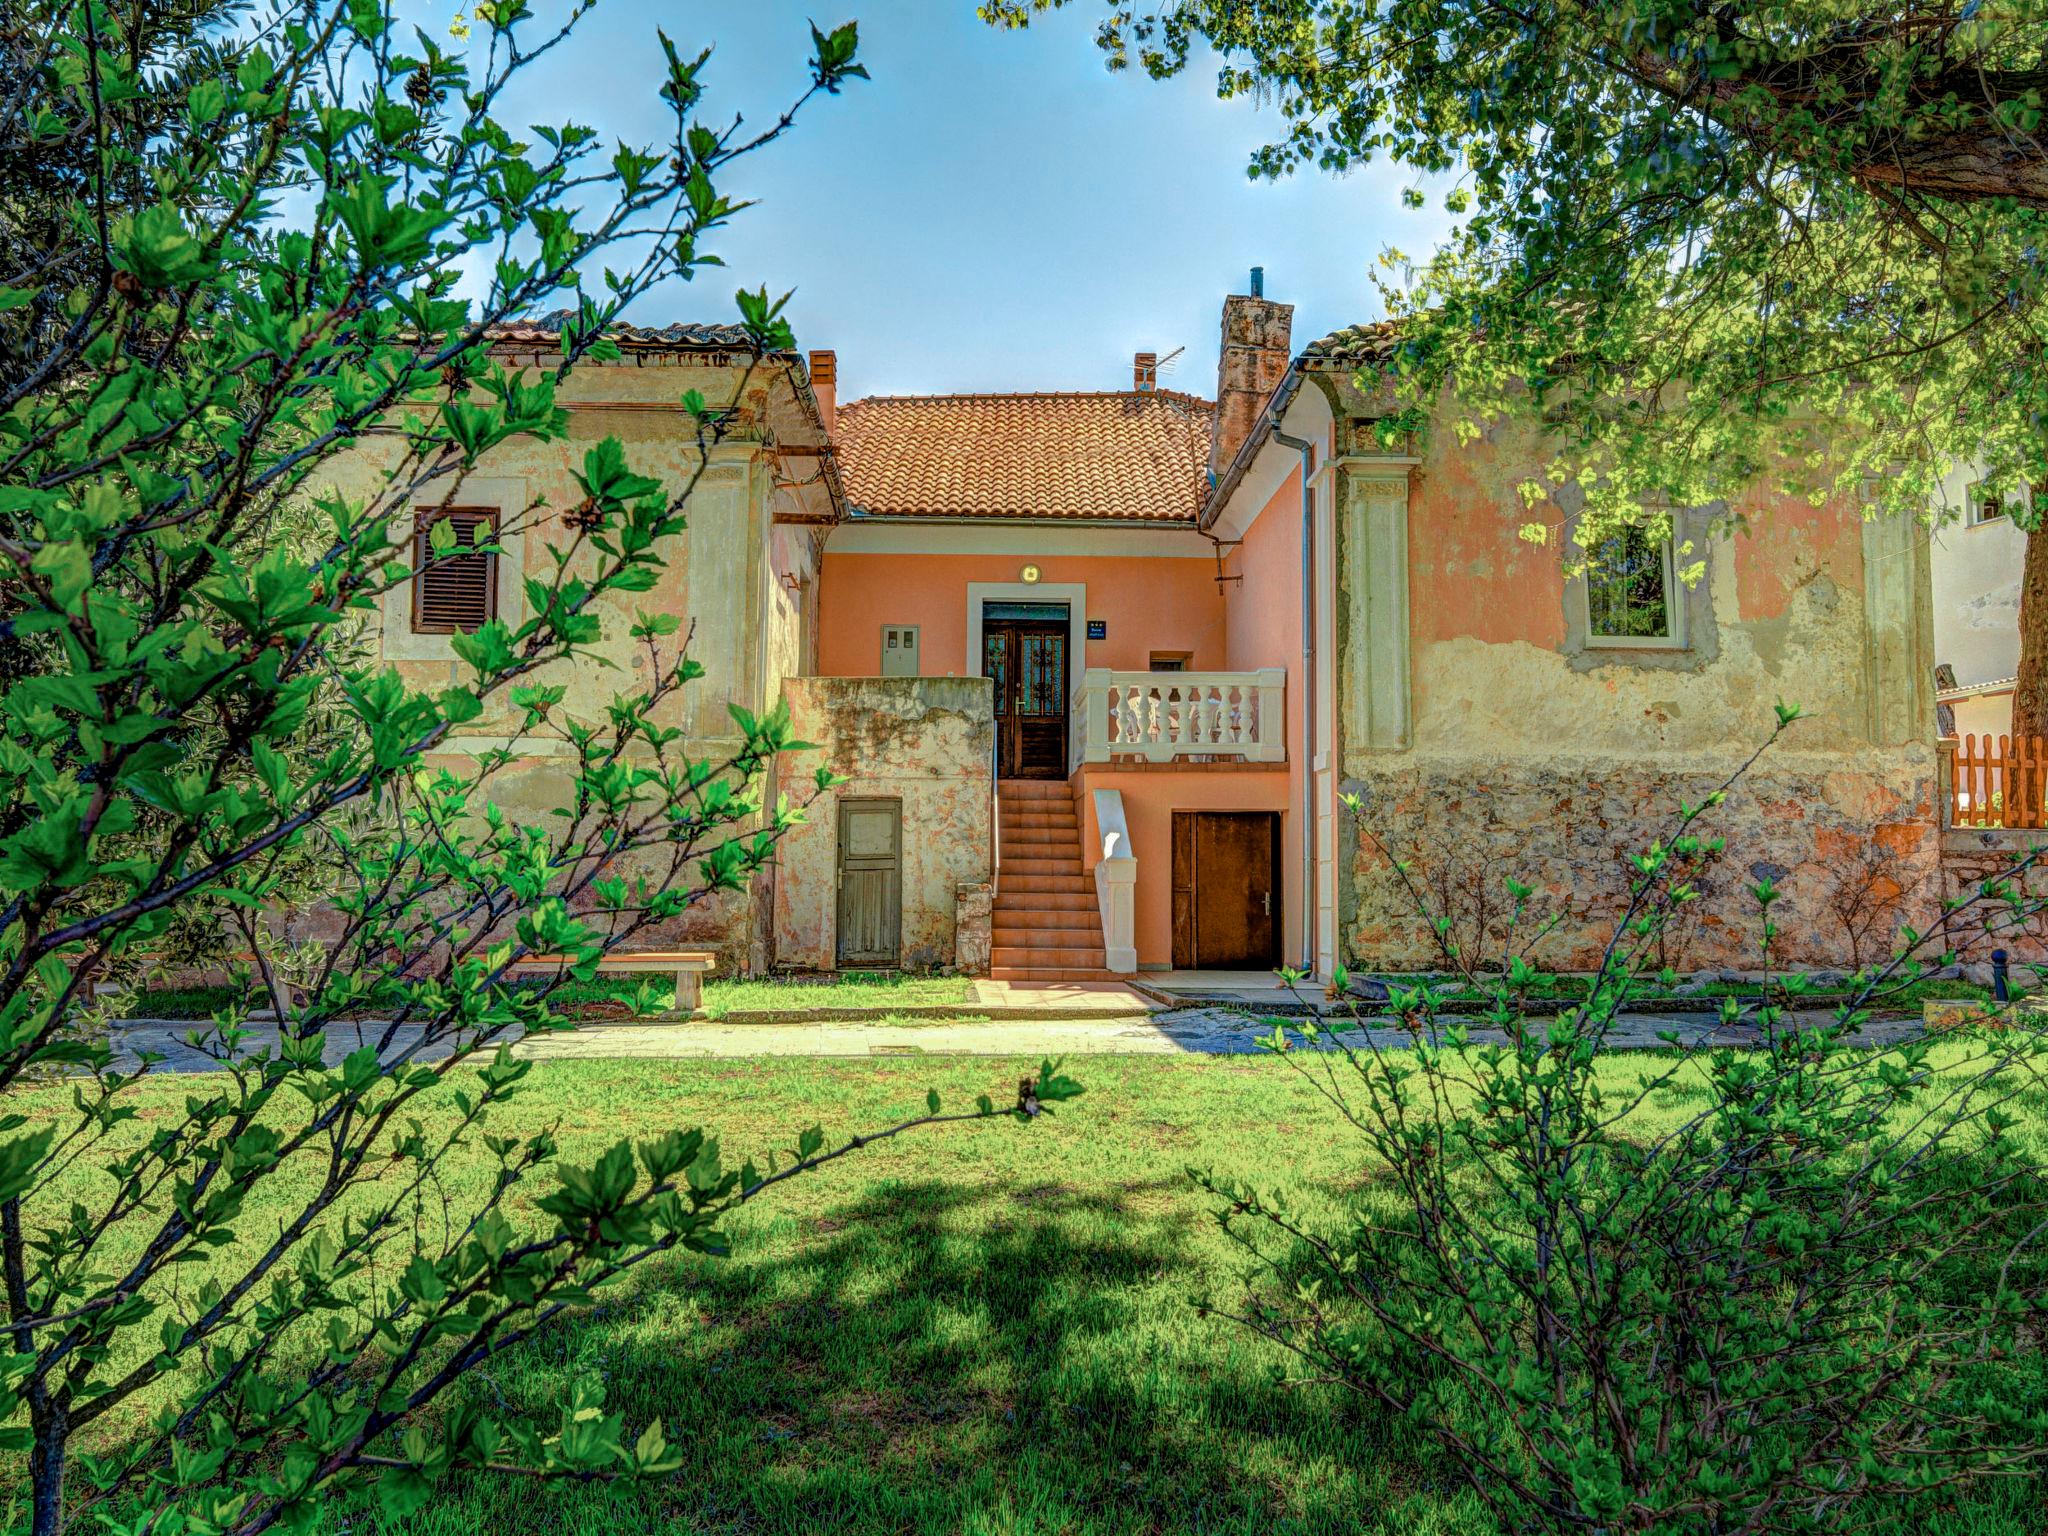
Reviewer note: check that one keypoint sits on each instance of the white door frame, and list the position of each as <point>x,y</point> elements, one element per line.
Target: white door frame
<point>1073,593</point>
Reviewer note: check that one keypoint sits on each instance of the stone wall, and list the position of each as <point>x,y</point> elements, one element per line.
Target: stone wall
<point>1971,858</point>
<point>1851,849</point>
<point>926,741</point>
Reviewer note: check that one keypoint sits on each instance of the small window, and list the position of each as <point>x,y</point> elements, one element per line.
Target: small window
<point>899,650</point>
<point>1170,661</point>
<point>1631,596</point>
<point>455,593</point>
<point>1988,506</point>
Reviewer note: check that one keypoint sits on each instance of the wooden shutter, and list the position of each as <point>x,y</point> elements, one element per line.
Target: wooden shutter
<point>458,592</point>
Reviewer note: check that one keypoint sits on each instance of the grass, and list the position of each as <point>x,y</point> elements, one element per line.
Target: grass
<point>1572,988</point>
<point>989,1330</point>
<point>846,989</point>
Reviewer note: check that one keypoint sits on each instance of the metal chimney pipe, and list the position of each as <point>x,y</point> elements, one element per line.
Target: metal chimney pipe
<point>1258,282</point>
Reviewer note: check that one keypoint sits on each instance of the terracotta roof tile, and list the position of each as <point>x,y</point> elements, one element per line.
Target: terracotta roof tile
<point>1131,455</point>
<point>1355,345</point>
<point>547,329</point>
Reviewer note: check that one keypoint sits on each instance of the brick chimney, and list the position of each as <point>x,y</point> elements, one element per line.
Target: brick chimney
<point>825,385</point>
<point>1257,346</point>
<point>1145,371</point>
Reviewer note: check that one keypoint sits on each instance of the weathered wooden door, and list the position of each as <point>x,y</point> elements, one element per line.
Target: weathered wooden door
<point>1027,658</point>
<point>870,882</point>
<point>1226,890</point>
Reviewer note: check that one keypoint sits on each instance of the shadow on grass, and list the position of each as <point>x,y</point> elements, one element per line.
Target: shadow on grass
<point>949,1357</point>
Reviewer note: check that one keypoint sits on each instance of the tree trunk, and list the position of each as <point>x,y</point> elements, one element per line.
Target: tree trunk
<point>2030,694</point>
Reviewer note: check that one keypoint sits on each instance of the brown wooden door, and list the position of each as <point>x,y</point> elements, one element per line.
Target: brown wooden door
<point>1226,890</point>
<point>1027,659</point>
<point>870,882</point>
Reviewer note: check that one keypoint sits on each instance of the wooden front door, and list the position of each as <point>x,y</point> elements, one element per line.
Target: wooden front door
<point>1027,658</point>
<point>1226,890</point>
<point>870,882</point>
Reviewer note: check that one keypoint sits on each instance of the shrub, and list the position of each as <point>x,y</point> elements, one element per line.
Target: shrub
<point>1790,1285</point>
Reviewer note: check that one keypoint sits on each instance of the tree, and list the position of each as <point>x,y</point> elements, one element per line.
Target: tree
<point>165,48</point>
<point>1796,240</point>
<point>189,719</point>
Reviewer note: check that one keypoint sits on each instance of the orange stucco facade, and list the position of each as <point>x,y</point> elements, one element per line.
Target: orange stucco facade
<point>1167,604</point>
<point>1146,605</point>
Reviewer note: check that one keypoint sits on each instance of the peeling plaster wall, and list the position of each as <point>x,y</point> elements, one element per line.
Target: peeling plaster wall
<point>1531,755</point>
<point>717,578</point>
<point>926,741</point>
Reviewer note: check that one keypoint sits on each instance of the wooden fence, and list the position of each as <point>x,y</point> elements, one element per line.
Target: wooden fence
<point>1997,781</point>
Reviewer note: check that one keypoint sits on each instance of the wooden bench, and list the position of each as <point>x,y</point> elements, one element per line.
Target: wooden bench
<point>688,966</point>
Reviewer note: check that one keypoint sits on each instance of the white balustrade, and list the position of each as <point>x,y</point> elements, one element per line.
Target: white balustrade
<point>1116,882</point>
<point>1162,716</point>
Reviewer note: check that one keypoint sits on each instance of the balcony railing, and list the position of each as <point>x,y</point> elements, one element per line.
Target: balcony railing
<point>1161,717</point>
<point>1997,781</point>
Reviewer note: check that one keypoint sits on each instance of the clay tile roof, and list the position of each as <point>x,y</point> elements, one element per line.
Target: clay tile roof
<point>547,329</point>
<point>1133,455</point>
<point>1356,345</point>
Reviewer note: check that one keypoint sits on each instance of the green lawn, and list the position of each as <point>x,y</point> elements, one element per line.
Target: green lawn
<point>983,1330</point>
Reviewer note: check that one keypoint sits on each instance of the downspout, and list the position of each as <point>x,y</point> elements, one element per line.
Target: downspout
<point>1308,699</point>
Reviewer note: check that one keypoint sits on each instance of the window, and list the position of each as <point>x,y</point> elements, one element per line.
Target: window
<point>1631,596</point>
<point>454,593</point>
<point>1989,506</point>
<point>899,650</point>
<point>1170,661</point>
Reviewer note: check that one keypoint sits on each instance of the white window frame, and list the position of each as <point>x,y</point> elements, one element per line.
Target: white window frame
<point>1674,607</point>
<point>1974,498</point>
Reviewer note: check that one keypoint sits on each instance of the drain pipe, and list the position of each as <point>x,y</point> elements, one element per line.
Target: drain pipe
<point>1308,699</point>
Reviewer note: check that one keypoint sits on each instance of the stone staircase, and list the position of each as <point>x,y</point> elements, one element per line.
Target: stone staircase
<point>1047,926</point>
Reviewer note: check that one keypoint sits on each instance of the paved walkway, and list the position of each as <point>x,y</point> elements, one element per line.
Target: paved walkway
<point>1189,1031</point>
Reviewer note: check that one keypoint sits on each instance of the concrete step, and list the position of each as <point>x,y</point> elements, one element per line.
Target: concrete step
<point>1033,789</point>
<point>1040,866</point>
<point>1084,955</point>
<point>1038,813</point>
<point>1046,828</point>
<point>1050,898</point>
<point>1028,919</point>
<point>1040,973</point>
<point>1064,935</point>
<point>1042,848</point>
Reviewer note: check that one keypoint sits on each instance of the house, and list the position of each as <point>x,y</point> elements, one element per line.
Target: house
<point>1100,669</point>
<point>1147,770</point>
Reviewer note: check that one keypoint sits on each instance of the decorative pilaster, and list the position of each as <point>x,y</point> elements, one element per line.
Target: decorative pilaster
<point>728,575</point>
<point>1898,632</point>
<point>1372,608</point>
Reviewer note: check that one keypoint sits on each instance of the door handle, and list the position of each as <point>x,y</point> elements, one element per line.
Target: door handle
<point>1266,900</point>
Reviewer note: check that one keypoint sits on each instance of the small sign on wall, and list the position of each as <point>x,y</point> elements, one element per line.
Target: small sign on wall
<point>1098,629</point>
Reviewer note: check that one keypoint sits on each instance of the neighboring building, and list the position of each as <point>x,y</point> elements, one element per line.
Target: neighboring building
<point>1978,554</point>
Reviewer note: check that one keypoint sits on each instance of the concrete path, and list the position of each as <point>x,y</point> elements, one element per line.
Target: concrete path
<point>1189,1031</point>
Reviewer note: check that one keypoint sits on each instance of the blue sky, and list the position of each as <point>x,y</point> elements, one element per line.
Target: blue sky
<point>992,210</point>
